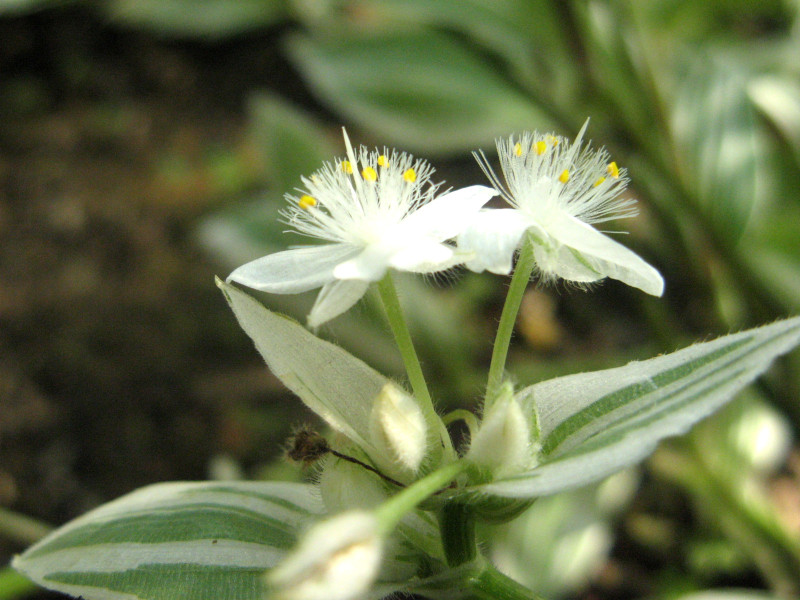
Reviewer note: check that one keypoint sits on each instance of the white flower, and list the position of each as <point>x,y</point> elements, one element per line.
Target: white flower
<point>337,559</point>
<point>557,190</point>
<point>376,211</point>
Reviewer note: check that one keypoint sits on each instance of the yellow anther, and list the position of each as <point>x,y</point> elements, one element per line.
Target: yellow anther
<point>564,177</point>
<point>599,181</point>
<point>552,139</point>
<point>518,149</point>
<point>410,175</point>
<point>540,147</point>
<point>347,167</point>
<point>307,202</point>
<point>369,174</point>
<point>613,170</point>
<point>383,161</point>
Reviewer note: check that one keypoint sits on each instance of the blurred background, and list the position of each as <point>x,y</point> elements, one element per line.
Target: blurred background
<point>145,146</point>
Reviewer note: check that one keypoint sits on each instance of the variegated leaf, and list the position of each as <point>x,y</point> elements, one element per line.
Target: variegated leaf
<point>594,424</point>
<point>192,541</point>
<point>334,384</point>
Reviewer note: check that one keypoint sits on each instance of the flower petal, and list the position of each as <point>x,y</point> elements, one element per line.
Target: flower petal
<point>493,237</point>
<point>293,271</point>
<point>424,256</point>
<point>369,265</point>
<point>335,298</point>
<point>604,255</point>
<point>566,263</point>
<point>446,216</point>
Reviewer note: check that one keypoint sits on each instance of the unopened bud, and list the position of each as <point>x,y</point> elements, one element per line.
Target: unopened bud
<point>397,427</point>
<point>337,559</point>
<point>502,443</point>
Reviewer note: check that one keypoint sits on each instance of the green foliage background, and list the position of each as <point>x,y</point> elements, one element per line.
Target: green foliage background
<point>699,100</point>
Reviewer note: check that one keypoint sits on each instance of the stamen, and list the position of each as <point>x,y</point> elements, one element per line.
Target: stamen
<point>383,161</point>
<point>518,149</point>
<point>410,175</point>
<point>369,174</point>
<point>552,139</point>
<point>347,167</point>
<point>352,163</point>
<point>613,170</point>
<point>307,202</point>
<point>599,181</point>
<point>540,147</point>
<point>564,177</point>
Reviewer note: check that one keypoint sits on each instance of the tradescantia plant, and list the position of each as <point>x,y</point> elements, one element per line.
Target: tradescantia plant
<point>395,505</point>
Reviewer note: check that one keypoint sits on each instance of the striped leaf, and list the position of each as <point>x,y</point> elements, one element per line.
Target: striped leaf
<point>594,424</point>
<point>192,541</point>
<point>334,384</point>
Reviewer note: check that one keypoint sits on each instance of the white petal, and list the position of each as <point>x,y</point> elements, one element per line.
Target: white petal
<point>334,299</point>
<point>493,237</point>
<point>424,256</point>
<point>605,255</point>
<point>293,271</point>
<point>369,265</point>
<point>566,263</point>
<point>446,216</point>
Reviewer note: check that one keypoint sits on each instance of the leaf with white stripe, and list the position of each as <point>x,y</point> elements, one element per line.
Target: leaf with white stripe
<point>594,424</point>
<point>333,383</point>
<point>192,541</point>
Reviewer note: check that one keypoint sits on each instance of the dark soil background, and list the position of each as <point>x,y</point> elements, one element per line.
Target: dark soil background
<point>120,363</point>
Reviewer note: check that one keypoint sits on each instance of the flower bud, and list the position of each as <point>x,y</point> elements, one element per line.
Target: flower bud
<point>337,559</point>
<point>397,427</point>
<point>502,443</point>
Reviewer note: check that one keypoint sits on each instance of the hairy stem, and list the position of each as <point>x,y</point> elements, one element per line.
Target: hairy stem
<point>391,512</point>
<point>519,282</point>
<point>402,336</point>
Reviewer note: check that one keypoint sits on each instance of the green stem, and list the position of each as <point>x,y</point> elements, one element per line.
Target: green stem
<point>20,528</point>
<point>477,580</point>
<point>457,525</point>
<point>519,283</point>
<point>394,314</point>
<point>13,585</point>
<point>462,414</point>
<point>391,512</point>
<point>491,584</point>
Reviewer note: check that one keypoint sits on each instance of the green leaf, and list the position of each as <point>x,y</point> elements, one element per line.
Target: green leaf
<point>778,98</point>
<point>175,540</point>
<point>772,251</point>
<point>337,386</point>
<point>292,141</point>
<point>729,595</point>
<point>539,54</point>
<point>420,90</point>
<point>594,424</point>
<point>291,144</point>
<point>21,7</point>
<point>198,18</point>
<point>715,139</point>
